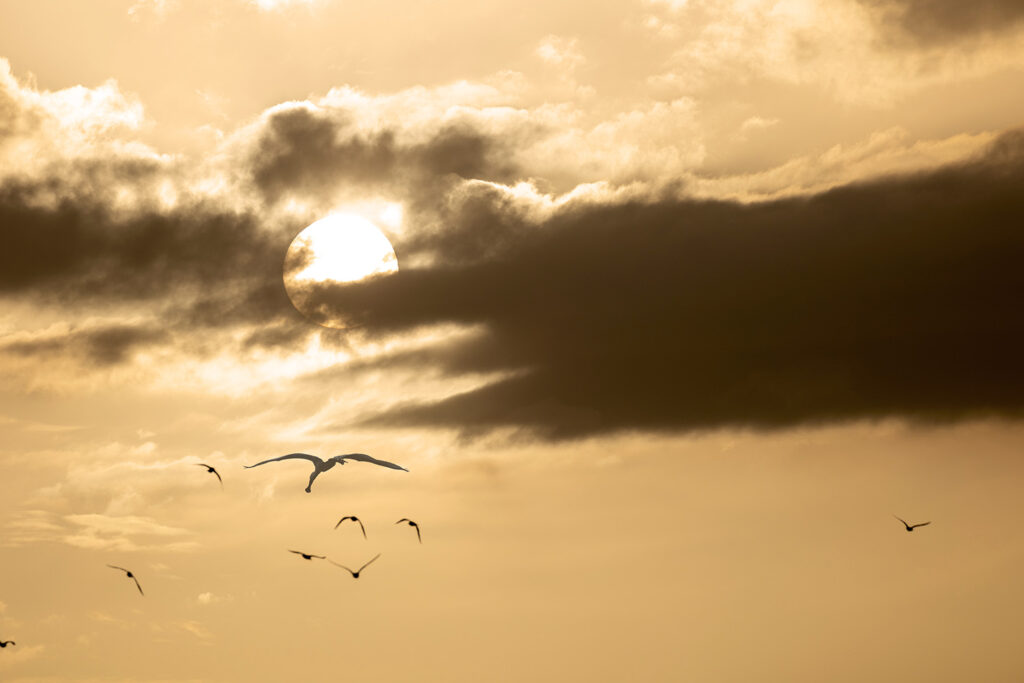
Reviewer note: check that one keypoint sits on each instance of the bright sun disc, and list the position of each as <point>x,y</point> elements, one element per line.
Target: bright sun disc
<point>339,248</point>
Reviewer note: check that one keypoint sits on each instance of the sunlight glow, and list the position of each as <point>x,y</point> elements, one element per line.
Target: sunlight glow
<point>342,248</point>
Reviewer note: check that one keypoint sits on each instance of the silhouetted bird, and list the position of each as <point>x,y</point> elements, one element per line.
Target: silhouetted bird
<point>355,574</point>
<point>413,524</point>
<point>321,465</point>
<point>130,576</point>
<point>354,519</point>
<point>211,470</point>
<point>307,556</point>
<point>911,527</point>
<point>5,643</point>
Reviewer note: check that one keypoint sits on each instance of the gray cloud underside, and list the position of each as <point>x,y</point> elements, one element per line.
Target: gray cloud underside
<point>194,267</point>
<point>941,21</point>
<point>311,153</point>
<point>896,298</point>
<point>198,265</point>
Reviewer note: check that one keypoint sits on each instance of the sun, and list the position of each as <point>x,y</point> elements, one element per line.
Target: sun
<point>336,249</point>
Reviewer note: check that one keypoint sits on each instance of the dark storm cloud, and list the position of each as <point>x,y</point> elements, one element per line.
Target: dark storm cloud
<point>311,152</point>
<point>900,297</point>
<point>937,21</point>
<point>81,249</point>
<point>194,267</point>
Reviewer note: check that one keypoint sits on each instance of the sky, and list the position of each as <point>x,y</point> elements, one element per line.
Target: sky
<point>693,297</point>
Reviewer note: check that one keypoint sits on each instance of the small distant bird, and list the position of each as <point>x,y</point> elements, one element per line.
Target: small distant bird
<point>413,524</point>
<point>354,519</point>
<point>321,465</point>
<point>355,574</point>
<point>307,556</point>
<point>130,576</point>
<point>911,527</point>
<point>5,643</point>
<point>211,470</point>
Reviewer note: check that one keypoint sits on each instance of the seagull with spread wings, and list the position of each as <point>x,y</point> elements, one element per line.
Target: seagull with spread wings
<point>911,527</point>
<point>412,524</point>
<point>5,643</point>
<point>321,465</point>
<point>211,470</point>
<point>130,576</point>
<point>307,556</point>
<point>355,574</point>
<point>354,519</point>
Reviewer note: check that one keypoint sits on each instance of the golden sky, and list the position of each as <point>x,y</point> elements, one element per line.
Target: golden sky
<point>693,297</point>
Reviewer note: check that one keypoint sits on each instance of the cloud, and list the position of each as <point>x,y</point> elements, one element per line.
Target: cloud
<point>944,21</point>
<point>195,628</point>
<point>833,45</point>
<point>208,598</point>
<point>41,128</point>
<point>103,345</point>
<point>891,298</point>
<point>309,150</point>
<point>124,533</point>
<point>560,51</point>
<point>18,654</point>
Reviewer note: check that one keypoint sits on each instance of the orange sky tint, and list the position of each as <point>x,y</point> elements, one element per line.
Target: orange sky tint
<point>694,298</point>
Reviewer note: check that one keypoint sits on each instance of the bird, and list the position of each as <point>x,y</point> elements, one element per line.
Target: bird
<point>212,471</point>
<point>354,519</point>
<point>307,556</point>
<point>5,643</point>
<point>321,465</point>
<point>130,576</point>
<point>413,524</point>
<point>355,574</point>
<point>911,527</point>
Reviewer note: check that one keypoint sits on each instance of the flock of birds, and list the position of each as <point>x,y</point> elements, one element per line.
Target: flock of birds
<point>319,466</point>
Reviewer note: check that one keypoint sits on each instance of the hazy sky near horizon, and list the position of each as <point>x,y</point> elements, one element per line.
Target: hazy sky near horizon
<point>693,297</point>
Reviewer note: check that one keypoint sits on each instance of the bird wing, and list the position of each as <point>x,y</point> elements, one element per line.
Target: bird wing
<point>297,552</point>
<point>921,524</point>
<point>363,457</point>
<point>114,566</point>
<point>218,475</point>
<point>418,537</point>
<point>339,522</point>
<point>404,519</point>
<point>291,456</point>
<point>368,563</point>
<point>342,566</point>
<point>361,525</point>
<point>902,520</point>
<point>137,585</point>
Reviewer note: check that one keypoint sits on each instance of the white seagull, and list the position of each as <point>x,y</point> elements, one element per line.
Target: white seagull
<point>321,465</point>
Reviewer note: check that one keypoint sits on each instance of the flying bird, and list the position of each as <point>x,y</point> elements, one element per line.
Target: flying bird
<point>130,576</point>
<point>307,556</point>
<point>321,465</point>
<point>355,574</point>
<point>354,519</point>
<point>413,524</point>
<point>911,527</point>
<point>5,643</point>
<point>211,470</point>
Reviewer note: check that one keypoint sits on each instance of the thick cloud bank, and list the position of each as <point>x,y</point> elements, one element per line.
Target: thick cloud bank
<point>896,298</point>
